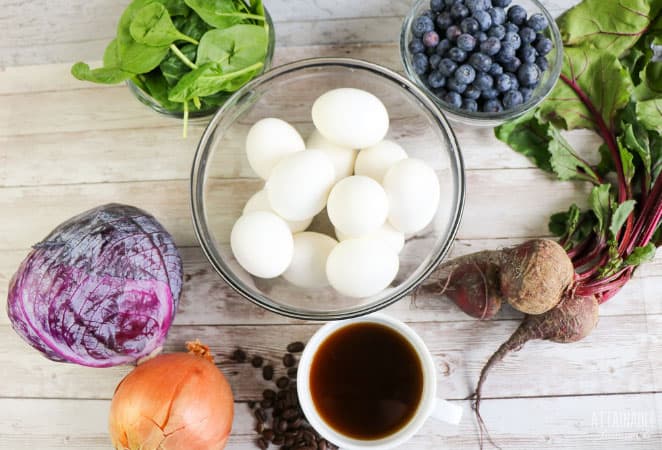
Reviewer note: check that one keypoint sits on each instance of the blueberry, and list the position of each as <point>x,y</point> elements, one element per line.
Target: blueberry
<point>477,5</point>
<point>527,35</point>
<point>442,47</point>
<point>466,42</point>
<point>457,54</point>
<point>484,19</point>
<point>481,36</point>
<point>453,32</point>
<point>431,14</point>
<point>512,98</point>
<point>527,54</point>
<point>470,105</point>
<point>450,3</point>
<point>454,86</point>
<point>444,20</point>
<point>503,83</point>
<point>422,25</point>
<point>416,46</point>
<point>465,74</point>
<point>527,93</point>
<point>483,81</point>
<point>528,74</point>
<point>480,61</point>
<point>511,37</point>
<point>501,3</point>
<point>538,22</point>
<point>472,91</point>
<point>469,25</point>
<point>495,70</point>
<point>517,14</point>
<point>514,84</point>
<point>498,15</point>
<point>434,60</point>
<point>459,11</point>
<point>511,27</point>
<point>490,47</point>
<point>436,80</point>
<point>489,93</point>
<point>493,105</point>
<point>497,31</point>
<point>420,63</point>
<point>446,67</point>
<point>544,46</point>
<point>437,5</point>
<point>506,53</point>
<point>453,98</point>
<point>512,64</point>
<point>431,39</point>
<point>542,63</point>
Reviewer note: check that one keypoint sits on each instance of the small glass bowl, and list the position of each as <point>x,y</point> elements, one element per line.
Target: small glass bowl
<point>485,119</point>
<point>222,180</point>
<point>150,101</point>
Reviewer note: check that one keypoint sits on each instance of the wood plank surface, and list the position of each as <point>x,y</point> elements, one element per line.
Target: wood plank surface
<point>623,422</point>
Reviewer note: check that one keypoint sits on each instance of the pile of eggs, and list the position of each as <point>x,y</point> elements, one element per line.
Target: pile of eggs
<point>374,195</point>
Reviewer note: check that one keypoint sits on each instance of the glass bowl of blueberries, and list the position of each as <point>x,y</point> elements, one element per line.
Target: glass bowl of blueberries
<point>482,61</point>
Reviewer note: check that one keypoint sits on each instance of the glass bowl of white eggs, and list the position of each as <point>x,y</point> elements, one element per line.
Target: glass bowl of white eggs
<point>327,189</point>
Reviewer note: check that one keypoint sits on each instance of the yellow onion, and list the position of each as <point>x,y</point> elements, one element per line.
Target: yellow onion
<point>177,401</point>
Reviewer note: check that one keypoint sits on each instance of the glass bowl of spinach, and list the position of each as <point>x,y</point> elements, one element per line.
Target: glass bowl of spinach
<point>184,58</point>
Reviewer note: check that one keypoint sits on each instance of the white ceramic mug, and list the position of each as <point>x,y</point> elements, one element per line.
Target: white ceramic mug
<point>429,405</point>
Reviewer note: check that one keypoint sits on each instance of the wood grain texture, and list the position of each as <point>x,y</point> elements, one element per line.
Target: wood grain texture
<point>623,422</point>
<point>628,347</point>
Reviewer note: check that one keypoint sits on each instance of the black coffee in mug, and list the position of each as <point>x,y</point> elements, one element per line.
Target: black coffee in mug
<point>366,381</point>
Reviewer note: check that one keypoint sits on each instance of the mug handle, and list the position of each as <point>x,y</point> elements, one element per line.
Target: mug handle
<point>446,411</point>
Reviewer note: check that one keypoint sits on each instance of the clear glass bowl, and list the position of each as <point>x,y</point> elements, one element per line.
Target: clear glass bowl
<point>150,101</point>
<point>222,180</point>
<point>484,119</point>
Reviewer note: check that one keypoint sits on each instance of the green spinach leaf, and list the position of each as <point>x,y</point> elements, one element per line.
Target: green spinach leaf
<point>151,25</point>
<point>134,56</point>
<point>173,68</point>
<point>218,13</point>
<point>234,48</point>
<point>103,75</point>
<point>192,26</point>
<point>176,7</point>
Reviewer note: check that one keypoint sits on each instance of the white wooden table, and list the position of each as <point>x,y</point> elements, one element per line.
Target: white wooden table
<point>66,146</point>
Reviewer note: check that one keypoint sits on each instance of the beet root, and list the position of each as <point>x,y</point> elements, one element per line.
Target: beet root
<point>471,282</point>
<point>571,320</point>
<point>533,276</point>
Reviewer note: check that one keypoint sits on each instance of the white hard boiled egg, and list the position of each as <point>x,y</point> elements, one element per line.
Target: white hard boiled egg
<point>393,238</point>
<point>262,244</point>
<point>341,157</point>
<point>357,205</point>
<point>269,141</point>
<point>260,202</point>
<point>361,267</point>
<point>299,185</point>
<point>375,161</point>
<point>412,188</point>
<point>308,266</point>
<point>351,118</point>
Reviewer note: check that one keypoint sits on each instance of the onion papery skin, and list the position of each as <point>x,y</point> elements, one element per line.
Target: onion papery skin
<point>174,401</point>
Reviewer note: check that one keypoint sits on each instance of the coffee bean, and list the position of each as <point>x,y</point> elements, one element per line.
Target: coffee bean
<point>268,434</point>
<point>281,395</point>
<point>295,425</point>
<point>239,355</point>
<point>289,360</point>
<point>251,404</point>
<point>259,427</point>
<point>295,347</point>
<point>282,426</point>
<point>289,441</point>
<point>322,445</point>
<point>308,436</point>
<point>292,372</point>
<point>269,394</point>
<point>291,434</point>
<point>267,403</point>
<point>257,361</point>
<point>262,444</point>
<point>279,439</point>
<point>260,415</point>
<point>290,414</point>
<point>283,382</point>
<point>267,372</point>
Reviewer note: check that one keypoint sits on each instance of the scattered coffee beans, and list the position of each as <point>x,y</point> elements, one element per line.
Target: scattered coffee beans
<point>280,420</point>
